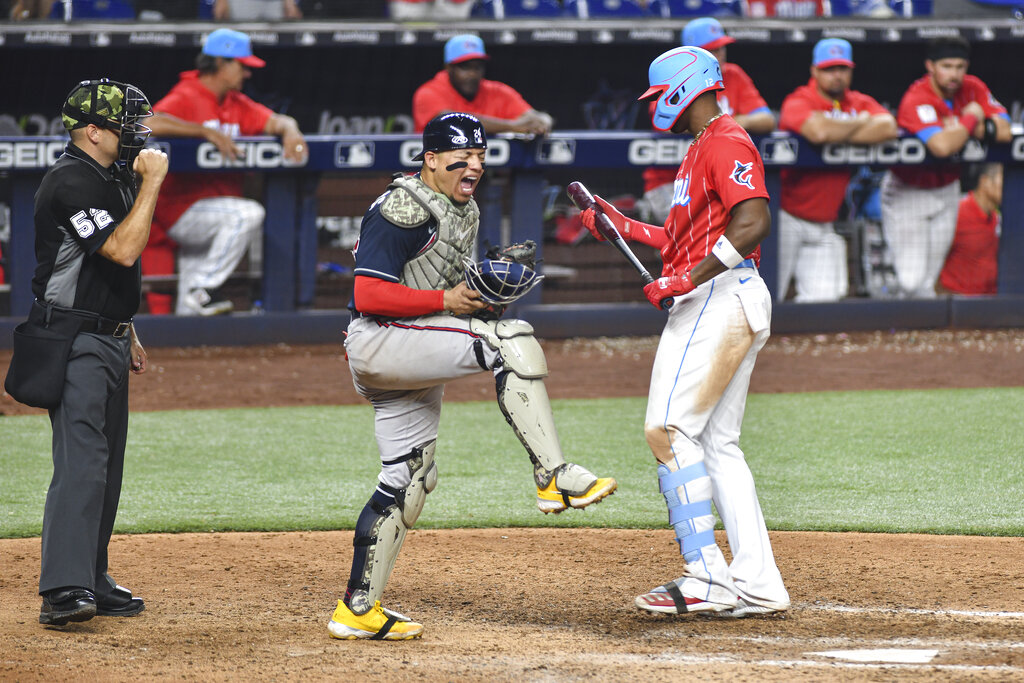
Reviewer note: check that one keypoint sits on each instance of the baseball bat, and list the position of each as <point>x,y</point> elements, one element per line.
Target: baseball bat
<point>583,200</point>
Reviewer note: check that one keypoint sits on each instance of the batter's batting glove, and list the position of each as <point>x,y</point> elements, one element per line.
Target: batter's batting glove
<point>664,287</point>
<point>621,223</point>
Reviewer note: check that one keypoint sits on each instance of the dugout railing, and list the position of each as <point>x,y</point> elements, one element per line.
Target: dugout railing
<point>529,173</point>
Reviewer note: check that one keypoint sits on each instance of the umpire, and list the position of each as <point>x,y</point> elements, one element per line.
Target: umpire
<point>92,218</point>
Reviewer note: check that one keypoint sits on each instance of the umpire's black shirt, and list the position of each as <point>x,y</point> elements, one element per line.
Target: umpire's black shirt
<point>78,205</point>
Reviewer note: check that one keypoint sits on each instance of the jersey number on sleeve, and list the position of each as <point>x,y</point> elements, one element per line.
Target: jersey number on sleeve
<point>86,227</point>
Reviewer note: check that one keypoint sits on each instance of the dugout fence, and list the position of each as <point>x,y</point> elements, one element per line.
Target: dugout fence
<point>313,213</point>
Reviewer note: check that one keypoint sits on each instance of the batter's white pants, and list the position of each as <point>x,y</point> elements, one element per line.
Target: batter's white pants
<point>213,235</point>
<point>813,254</point>
<point>919,225</point>
<point>401,367</point>
<point>699,402</point>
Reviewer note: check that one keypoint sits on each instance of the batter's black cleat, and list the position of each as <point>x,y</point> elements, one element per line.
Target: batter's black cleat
<point>67,604</point>
<point>119,603</point>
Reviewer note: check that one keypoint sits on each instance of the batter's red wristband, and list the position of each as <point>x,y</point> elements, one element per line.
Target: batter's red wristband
<point>970,122</point>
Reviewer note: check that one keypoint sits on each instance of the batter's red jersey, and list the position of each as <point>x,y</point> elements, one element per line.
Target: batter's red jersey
<point>817,195</point>
<point>740,96</point>
<point>492,99</point>
<point>720,170</point>
<point>973,260</point>
<point>921,113</point>
<point>237,115</point>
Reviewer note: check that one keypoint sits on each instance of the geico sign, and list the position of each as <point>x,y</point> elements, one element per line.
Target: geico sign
<point>30,154</point>
<point>497,153</point>
<point>264,154</point>
<point>668,152</point>
<point>903,151</point>
<point>1017,149</point>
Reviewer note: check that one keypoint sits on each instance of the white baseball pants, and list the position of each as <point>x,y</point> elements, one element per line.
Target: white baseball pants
<point>213,235</point>
<point>813,254</point>
<point>694,413</point>
<point>919,225</point>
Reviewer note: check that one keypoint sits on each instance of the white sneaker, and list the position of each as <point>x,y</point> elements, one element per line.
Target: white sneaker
<point>199,302</point>
<point>746,608</point>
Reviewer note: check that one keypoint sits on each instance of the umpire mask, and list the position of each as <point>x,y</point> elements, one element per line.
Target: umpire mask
<point>116,106</point>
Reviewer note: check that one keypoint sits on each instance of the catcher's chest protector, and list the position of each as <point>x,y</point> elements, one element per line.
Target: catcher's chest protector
<point>410,204</point>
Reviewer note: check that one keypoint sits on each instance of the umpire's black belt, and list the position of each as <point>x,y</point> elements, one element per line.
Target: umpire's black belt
<point>73,321</point>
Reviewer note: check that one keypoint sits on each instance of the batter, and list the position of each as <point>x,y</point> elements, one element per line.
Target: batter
<point>417,324</point>
<point>717,325</point>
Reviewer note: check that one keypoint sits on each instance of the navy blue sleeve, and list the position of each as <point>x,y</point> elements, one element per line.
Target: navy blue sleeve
<point>384,248</point>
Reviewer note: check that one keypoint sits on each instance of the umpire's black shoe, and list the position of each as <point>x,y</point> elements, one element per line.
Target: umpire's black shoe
<point>119,603</point>
<point>67,604</point>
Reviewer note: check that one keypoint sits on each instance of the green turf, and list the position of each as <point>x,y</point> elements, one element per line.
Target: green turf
<point>944,461</point>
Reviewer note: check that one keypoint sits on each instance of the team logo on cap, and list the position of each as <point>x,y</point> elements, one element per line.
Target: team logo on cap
<point>459,138</point>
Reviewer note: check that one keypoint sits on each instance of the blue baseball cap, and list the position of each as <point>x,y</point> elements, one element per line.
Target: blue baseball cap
<point>832,52</point>
<point>225,42</point>
<point>464,47</point>
<point>706,33</point>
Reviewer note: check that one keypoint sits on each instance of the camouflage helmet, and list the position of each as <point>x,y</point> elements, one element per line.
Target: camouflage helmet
<point>112,105</point>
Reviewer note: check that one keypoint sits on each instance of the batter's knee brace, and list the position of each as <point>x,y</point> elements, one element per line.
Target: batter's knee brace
<point>687,494</point>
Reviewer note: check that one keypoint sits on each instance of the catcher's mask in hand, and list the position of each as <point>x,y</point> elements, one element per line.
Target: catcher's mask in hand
<point>500,282</point>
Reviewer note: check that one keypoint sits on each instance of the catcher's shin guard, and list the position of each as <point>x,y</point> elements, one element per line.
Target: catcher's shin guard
<point>523,400</point>
<point>522,397</point>
<point>382,526</point>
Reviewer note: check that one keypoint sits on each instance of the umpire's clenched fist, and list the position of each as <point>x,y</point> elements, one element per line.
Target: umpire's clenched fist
<point>151,164</point>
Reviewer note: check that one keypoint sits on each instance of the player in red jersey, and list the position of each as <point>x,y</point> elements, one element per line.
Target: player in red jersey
<point>739,98</point>
<point>944,109</point>
<point>204,214</point>
<point>823,111</point>
<point>719,321</point>
<point>972,265</point>
<point>461,87</point>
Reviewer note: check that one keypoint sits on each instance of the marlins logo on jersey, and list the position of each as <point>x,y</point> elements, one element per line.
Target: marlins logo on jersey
<point>741,174</point>
<point>681,192</point>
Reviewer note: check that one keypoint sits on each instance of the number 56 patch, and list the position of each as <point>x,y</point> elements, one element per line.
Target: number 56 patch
<point>86,226</point>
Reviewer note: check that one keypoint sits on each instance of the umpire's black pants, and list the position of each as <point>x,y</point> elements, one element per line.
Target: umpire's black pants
<point>90,427</point>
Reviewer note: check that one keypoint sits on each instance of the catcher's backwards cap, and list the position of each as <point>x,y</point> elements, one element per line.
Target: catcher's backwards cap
<point>677,78</point>
<point>454,130</point>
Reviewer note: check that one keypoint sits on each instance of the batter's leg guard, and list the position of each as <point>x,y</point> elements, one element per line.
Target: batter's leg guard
<point>706,585</point>
<point>523,400</point>
<point>382,526</point>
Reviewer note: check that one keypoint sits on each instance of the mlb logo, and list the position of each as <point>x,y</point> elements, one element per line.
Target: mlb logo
<point>353,155</point>
<point>556,152</point>
<point>779,152</point>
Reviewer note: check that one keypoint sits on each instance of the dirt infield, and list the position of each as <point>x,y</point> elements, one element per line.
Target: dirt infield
<point>539,604</point>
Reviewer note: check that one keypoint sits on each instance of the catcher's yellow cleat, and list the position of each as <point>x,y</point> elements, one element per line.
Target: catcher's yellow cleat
<point>377,624</point>
<point>551,498</point>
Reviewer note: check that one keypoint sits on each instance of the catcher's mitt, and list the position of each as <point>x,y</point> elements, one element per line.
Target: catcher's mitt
<point>523,253</point>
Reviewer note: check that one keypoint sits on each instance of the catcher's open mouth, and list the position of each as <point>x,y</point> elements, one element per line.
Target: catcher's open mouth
<point>468,183</point>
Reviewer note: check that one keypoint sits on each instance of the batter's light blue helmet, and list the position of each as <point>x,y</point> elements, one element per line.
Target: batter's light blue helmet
<point>677,78</point>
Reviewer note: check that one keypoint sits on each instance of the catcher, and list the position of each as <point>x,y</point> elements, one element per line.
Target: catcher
<point>424,314</point>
